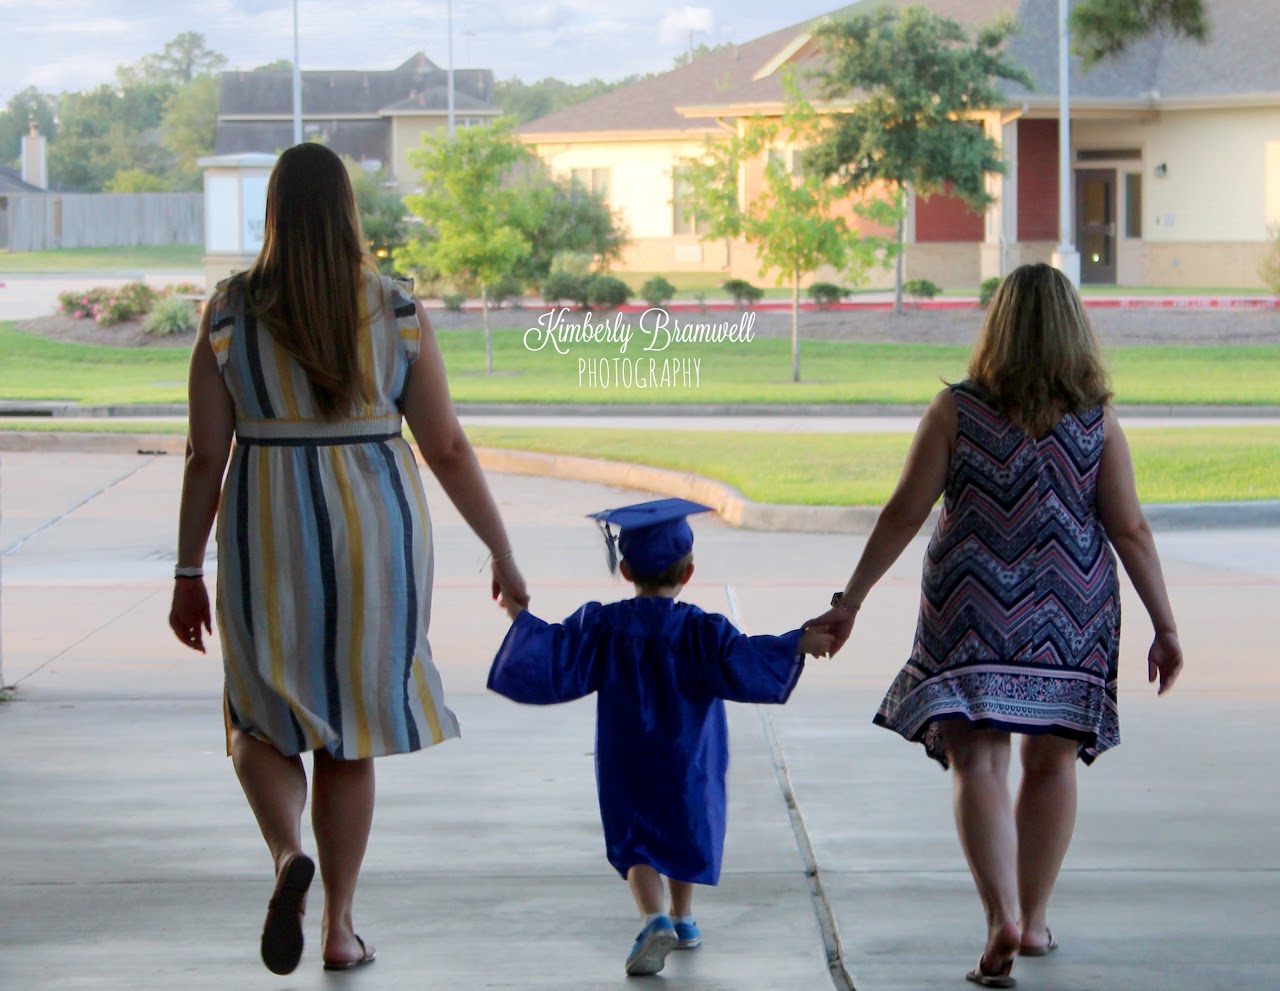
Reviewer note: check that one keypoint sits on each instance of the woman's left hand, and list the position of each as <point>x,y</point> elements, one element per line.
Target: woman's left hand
<point>838,621</point>
<point>189,612</point>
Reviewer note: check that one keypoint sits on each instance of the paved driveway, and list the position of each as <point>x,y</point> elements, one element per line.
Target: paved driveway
<point>129,860</point>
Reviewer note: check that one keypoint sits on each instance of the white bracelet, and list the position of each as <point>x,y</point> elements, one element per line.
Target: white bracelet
<point>181,572</point>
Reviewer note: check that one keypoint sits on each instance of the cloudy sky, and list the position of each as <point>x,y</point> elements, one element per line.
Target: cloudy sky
<point>77,44</point>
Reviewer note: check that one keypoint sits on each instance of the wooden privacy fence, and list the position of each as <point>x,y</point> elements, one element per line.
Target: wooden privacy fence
<point>43,221</point>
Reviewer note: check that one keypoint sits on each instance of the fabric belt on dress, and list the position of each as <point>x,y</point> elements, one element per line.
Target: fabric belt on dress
<point>317,433</point>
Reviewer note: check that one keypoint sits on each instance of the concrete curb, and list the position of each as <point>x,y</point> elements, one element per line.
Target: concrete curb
<point>731,505</point>
<point>54,409</point>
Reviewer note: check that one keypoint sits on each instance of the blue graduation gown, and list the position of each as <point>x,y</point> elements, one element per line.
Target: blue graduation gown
<point>660,670</point>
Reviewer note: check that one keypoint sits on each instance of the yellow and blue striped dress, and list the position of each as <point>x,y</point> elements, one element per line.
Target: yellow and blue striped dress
<point>324,549</point>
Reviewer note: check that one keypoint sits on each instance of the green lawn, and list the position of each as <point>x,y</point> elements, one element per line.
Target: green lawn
<point>1173,465</point>
<point>32,367</point>
<point>178,257</point>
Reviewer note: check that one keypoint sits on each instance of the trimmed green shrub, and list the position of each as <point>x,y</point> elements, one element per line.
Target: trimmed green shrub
<point>920,288</point>
<point>506,288</point>
<point>171,315</point>
<point>562,285</point>
<point>826,293</point>
<point>987,291</point>
<point>742,291</point>
<point>453,301</point>
<point>607,291</point>
<point>657,291</point>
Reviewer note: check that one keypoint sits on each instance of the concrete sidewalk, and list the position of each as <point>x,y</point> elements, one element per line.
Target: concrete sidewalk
<point>128,858</point>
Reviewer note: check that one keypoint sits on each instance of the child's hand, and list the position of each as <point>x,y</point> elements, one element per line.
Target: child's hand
<point>817,641</point>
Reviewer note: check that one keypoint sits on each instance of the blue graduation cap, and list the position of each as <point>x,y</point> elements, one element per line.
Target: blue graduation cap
<point>652,536</point>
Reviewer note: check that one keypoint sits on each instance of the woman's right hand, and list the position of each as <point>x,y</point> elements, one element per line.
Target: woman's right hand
<point>189,612</point>
<point>508,587</point>
<point>1164,659</point>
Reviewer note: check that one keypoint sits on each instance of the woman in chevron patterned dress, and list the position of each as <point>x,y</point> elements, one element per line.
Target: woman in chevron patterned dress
<point>1019,622</point>
<point>309,361</point>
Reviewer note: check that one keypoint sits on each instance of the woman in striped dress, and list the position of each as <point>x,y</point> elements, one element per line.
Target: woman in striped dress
<point>1019,621</point>
<point>309,361</point>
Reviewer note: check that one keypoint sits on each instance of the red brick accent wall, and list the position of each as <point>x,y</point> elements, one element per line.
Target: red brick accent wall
<point>1037,180</point>
<point>943,217</point>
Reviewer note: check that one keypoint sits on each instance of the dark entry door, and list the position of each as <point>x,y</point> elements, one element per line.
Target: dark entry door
<point>1096,224</point>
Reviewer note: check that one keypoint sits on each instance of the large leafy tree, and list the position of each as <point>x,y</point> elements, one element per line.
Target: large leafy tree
<point>180,61</point>
<point>22,109</point>
<point>187,127</point>
<point>1101,29</point>
<point>470,209</point>
<point>146,131</point>
<point>559,216</point>
<point>529,101</point>
<point>382,212</point>
<point>792,220</point>
<point>912,81</point>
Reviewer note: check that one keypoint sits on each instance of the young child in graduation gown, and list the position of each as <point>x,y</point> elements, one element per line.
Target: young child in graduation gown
<point>661,670</point>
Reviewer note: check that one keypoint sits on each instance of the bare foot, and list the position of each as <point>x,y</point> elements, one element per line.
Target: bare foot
<point>1043,948</point>
<point>1002,946</point>
<point>341,945</point>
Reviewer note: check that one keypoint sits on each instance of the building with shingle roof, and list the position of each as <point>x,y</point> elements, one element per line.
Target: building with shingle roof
<point>1175,152</point>
<point>374,117</point>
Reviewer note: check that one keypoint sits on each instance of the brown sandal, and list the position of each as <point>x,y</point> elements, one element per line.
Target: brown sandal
<point>367,955</point>
<point>1002,978</point>
<point>282,930</point>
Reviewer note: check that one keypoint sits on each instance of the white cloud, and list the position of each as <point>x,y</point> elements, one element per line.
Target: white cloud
<point>678,24</point>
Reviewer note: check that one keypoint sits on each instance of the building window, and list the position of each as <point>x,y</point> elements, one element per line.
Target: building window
<point>1108,154</point>
<point>681,221</point>
<point>792,162</point>
<point>1133,204</point>
<point>594,181</point>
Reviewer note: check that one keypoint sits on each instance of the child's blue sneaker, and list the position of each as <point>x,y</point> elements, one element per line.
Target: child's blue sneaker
<point>688,935</point>
<point>655,941</point>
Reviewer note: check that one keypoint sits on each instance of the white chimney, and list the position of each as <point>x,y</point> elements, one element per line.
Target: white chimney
<point>35,160</point>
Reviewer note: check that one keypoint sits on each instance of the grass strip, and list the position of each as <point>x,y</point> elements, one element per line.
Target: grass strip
<point>757,373</point>
<point>152,257</point>
<point>1173,464</point>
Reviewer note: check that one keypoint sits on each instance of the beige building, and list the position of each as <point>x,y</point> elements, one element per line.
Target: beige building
<point>1175,154</point>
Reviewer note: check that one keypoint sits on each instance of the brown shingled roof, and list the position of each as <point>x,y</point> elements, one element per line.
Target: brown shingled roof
<point>1238,60</point>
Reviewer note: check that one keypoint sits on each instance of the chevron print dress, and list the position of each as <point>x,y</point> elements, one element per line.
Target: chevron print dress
<point>1019,623</point>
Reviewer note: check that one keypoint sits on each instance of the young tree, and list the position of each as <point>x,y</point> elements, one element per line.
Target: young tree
<point>1103,28</point>
<point>469,207</point>
<point>912,80</point>
<point>792,220</point>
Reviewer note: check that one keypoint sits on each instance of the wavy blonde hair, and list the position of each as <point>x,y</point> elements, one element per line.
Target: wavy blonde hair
<point>1037,356</point>
<point>306,283</point>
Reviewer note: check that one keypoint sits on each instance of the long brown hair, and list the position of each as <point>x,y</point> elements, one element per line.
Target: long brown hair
<point>1037,356</point>
<point>306,283</point>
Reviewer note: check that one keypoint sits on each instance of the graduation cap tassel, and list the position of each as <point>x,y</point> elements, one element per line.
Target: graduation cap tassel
<point>610,547</point>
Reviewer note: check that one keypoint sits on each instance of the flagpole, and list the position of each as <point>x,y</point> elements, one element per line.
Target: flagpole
<point>450,86</point>
<point>297,82</point>
<point>1066,258</point>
